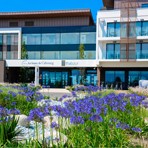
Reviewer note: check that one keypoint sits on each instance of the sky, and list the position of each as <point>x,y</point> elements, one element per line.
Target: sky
<point>38,5</point>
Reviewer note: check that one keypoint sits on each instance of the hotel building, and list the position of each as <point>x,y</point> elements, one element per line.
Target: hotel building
<point>115,54</point>
<point>122,43</point>
<point>52,40</point>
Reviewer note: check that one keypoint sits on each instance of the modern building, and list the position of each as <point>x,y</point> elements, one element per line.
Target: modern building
<point>122,43</point>
<point>52,40</point>
<point>115,54</point>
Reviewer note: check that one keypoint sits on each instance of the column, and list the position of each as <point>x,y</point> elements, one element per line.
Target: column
<point>36,76</point>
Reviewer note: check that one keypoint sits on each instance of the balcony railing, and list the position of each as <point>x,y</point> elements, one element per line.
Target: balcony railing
<point>59,55</point>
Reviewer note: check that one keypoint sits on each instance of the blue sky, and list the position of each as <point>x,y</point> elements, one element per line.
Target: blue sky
<point>35,5</point>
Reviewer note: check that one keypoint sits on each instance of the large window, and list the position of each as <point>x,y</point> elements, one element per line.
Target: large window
<point>139,28</point>
<point>52,38</point>
<point>142,51</point>
<point>32,39</point>
<point>144,5</point>
<point>88,38</point>
<point>70,38</point>
<point>135,76</point>
<point>113,51</point>
<point>113,29</point>
<point>144,28</point>
<point>114,76</point>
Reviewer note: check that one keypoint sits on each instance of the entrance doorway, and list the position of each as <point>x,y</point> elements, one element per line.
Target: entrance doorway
<point>58,79</point>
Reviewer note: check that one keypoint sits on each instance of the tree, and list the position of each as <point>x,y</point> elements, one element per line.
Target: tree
<point>24,54</point>
<point>24,71</point>
<point>82,56</point>
<point>81,51</point>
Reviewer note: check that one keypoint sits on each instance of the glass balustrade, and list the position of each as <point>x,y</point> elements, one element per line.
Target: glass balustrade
<point>58,55</point>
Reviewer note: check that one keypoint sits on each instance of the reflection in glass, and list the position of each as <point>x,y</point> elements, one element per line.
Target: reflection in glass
<point>52,38</point>
<point>114,76</point>
<point>32,39</point>
<point>110,30</point>
<point>144,28</point>
<point>88,38</point>
<point>113,51</point>
<point>110,51</point>
<point>70,38</point>
<point>144,51</point>
<point>138,28</point>
<point>123,30</point>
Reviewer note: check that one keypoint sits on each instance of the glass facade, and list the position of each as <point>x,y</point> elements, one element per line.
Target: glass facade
<point>138,51</point>
<point>60,38</point>
<point>125,77</point>
<point>113,51</point>
<point>144,5</point>
<point>67,55</point>
<point>135,76</point>
<point>139,28</point>
<point>8,46</point>
<point>114,76</point>
<point>87,38</point>
<point>59,42</point>
<point>55,79</point>
<point>113,29</point>
<point>50,38</point>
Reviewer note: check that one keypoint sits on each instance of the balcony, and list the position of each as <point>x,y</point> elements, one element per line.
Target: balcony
<point>60,55</point>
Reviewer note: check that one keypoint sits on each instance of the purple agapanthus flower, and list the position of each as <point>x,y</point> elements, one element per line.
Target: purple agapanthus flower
<point>54,125</point>
<point>14,111</point>
<point>137,130</point>
<point>77,120</point>
<point>96,118</point>
<point>36,114</point>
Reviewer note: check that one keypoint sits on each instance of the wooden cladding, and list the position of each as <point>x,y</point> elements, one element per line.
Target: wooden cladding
<point>41,22</point>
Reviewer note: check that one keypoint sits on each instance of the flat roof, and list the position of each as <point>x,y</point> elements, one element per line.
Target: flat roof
<point>47,14</point>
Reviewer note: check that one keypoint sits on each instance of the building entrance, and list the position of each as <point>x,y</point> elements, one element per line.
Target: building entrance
<point>54,79</point>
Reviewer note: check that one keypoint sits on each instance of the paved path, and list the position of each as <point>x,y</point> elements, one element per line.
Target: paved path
<point>54,92</point>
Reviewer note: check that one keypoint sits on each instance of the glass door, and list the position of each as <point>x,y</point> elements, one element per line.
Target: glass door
<point>45,78</point>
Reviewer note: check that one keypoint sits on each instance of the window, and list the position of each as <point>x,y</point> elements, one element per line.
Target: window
<point>114,76</point>
<point>138,28</point>
<point>144,28</point>
<point>52,38</point>
<point>144,5</point>
<point>32,39</point>
<point>123,30</point>
<point>29,23</point>
<point>70,38</point>
<point>132,29</point>
<point>13,24</point>
<point>113,51</point>
<point>142,51</point>
<point>113,29</point>
<point>88,38</point>
<point>132,53</point>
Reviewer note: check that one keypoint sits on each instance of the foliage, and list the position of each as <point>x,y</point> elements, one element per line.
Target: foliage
<point>24,54</point>
<point>81,51</point>
<point>103,121</point>
<point>7,129</point>
<point>98,119</point>
<point>82,56</point>
<point>23,98</point>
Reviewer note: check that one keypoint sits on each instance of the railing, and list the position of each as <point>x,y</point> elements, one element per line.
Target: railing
<point>59,55</point>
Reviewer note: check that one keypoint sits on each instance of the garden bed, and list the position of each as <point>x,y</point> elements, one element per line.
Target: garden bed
<point>95,119</point>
